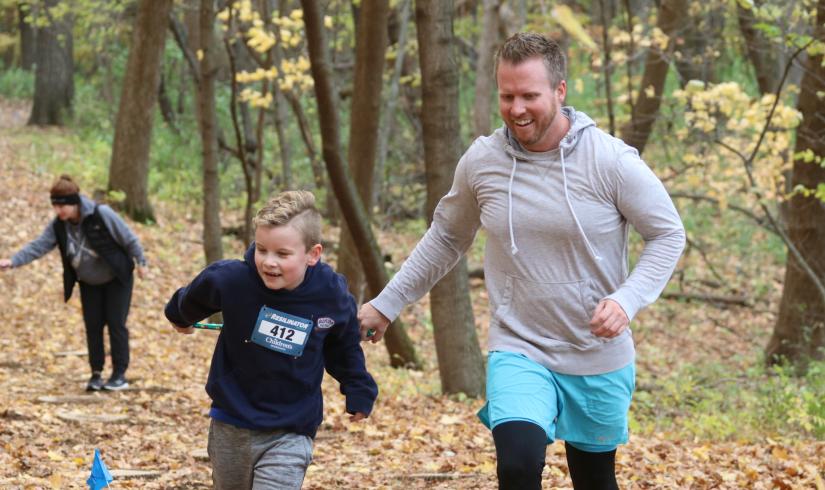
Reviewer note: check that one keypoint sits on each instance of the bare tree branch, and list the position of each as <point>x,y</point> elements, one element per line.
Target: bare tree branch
<point>179,33</point>
<point>750,214</point>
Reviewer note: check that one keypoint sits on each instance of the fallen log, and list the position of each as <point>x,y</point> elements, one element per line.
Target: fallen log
<point>709,298</point>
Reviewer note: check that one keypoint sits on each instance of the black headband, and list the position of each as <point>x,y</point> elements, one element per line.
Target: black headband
<point>67,199</point>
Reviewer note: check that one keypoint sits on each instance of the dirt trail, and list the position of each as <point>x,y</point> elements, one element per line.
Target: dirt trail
<point>13,114</point>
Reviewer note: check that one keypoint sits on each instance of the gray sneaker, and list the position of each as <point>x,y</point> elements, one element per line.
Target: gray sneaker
<point>116,383</point>
<point>95,382</point>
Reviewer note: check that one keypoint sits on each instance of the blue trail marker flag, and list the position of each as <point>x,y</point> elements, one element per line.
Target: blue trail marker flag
<point>100,476</point>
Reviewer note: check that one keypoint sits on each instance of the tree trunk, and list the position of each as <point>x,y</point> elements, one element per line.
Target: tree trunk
<point>318,173</point>
<point>460,363</point>
<point>487,44</point>
<point>762,55</point>
<point>247,135</point>
<point>284,146</point>
<point>646,107</point>
<point>700,34</point>
<point>9,21</point>
<point>192,24</point>
<point>309,143</point>
<point>280,102</point>
<point>208,124</point>
<point>165,104</point>
<point>799,334</point>
<point>53,79</point>
<point>386,129</point>
<point>27,37</point>
<point>399,346</point>
<point>606,14</point>
<point>129,170</point>
<point>107,89</point>
<point>370,48</point>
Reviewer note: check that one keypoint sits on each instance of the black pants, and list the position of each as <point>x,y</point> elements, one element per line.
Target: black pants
<point>107,304</point>
<point>520,448</point>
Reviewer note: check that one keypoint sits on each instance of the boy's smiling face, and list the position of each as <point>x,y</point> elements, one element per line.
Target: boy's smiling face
<point>281,257</point>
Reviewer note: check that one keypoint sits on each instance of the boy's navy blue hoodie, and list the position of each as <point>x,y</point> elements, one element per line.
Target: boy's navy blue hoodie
<point>256,388</point>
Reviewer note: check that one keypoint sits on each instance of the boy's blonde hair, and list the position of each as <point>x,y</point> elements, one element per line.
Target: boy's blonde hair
<point>294,208</point>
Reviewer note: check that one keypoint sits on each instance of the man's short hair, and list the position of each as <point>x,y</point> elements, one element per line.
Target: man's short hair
<point>523,46</point>
<point>296,209</point>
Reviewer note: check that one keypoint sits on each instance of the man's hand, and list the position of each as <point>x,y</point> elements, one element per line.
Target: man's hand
<point>5,264</point>
<point>142,270</point>
<point>609,319</point>
<point>373,323</point>
<point>184,330</point>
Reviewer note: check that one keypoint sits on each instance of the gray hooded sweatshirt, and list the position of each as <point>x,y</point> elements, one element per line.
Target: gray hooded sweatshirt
<point>557,226</point>
<point>90,268</point>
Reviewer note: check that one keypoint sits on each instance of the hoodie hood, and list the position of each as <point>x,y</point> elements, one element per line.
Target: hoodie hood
<point>579,122</point>
<point>87,207</point>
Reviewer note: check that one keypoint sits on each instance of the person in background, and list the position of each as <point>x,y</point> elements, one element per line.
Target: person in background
<point>287,317</point>
<point>99,251</point>
<point>557,197</point>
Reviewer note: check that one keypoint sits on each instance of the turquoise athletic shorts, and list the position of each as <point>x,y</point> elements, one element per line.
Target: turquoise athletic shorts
<point>589,412</point>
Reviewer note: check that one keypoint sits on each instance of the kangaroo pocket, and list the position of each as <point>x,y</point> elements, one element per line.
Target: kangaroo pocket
<point>553,314</point>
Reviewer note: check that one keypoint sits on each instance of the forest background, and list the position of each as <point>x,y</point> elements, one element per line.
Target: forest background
<point>186,115</point>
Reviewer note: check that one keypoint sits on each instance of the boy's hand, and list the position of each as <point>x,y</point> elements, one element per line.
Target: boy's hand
<point>184,330</point>
<point>355,417</point>
<point>5,264</point>
<point>373,323</point>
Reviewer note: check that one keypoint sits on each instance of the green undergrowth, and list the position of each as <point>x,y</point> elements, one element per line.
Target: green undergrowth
<point>709,402</point>
<point>16,83</point>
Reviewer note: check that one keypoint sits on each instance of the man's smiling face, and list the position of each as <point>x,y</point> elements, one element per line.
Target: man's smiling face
<point>528,103</point>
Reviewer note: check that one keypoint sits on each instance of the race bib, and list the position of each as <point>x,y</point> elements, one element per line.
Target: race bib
<point>281,332</point>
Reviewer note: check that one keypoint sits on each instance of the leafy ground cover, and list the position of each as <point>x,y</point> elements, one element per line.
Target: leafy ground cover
<point>705,415</point>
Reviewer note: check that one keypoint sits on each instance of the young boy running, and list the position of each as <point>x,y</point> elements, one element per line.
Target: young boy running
<point>287,317</point>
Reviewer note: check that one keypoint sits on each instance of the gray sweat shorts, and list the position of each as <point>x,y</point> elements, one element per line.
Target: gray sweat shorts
<point>244,459</point>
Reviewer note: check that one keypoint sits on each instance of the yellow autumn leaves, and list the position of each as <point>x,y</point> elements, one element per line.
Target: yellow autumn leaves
<point>261,36</point>
<point>723,126</point>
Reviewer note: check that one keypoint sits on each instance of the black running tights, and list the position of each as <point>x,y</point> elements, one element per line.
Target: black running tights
<point>520,450</point>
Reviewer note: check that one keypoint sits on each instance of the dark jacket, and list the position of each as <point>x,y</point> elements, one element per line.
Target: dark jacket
<point>101,241</point>
<point>256,388</point>
<point>114,243</point>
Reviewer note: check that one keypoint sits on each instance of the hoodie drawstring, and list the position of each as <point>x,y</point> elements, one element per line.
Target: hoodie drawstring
<point>569,205</point>
<point>513,247</point>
